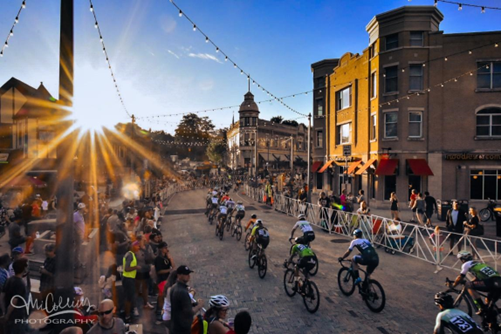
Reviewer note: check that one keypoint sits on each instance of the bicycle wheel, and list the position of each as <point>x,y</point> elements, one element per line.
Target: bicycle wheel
<point>485,214</point>
<point>262,266</point>
<point>210,219</point>
<point>217,230</point>
<point>463,303</point>
<point>228,225</point>
<point>221,232</point>
<point>252,258</point>
<point>345,281</point>
<point>311,296</point>
<point>238,233</point>
<point>247,241</point>
<point>374,297</point>
<point>289,283</point>
<point>314,270</point>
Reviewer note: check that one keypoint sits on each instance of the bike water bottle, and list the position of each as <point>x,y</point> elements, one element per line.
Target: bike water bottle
<point>37,235</point>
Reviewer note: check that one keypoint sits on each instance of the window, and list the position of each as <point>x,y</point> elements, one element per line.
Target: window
<point>415,124</point>
<point>343,98</point>
<point>320,107</point>
<point>372,130</point>
<point>320,82</point>
<point>390,185</point>
<point>416,38</point>
<point>374,85</point>
<point>489,75</point>
<point>391,79</point>
<point>344,131</point>
<point>489,122</point>
<point>320,138</point>
<point>485,184</point>
<point>391,42</point>
<point>416,77</point>
<point>372,50</point>
<point>390,124</point>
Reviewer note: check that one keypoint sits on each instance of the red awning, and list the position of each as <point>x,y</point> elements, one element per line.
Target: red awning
<point>324,167</point>
<point>419,167</point>
<point>387,167</point>
<point>37,183</point>
<point>316,165</point>
<point>365,166</point>
<point>353,166</point>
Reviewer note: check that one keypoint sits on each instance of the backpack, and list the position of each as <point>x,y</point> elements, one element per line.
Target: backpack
<point>199,325</point>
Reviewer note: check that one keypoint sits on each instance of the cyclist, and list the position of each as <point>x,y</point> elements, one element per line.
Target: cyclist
<point>208,200</point>
<point>230,204</point>
<point>240,210</point>
<point>367,256</point>
<point>306,260</point>
<point>224,198</point>
<point>260,234</point>
<point>308,233</point>
<point>214,202</point>
<point>223,213</point>
<point>216,315</point>
<point>453,318</point>
<point>484,279</point>
<point>252,222</point>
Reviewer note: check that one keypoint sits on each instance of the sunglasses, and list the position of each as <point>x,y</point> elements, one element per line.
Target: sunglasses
<point>224,310</point>
<point>104,312</point>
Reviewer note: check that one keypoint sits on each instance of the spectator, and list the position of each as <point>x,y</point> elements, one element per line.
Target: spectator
<point>45,207</point>
<point>17,253</point>
<point>79,227</point>
<point>121,242</point>
<point>360,197</point>
<point>394,206</point>
<point>4,275</point>
<point>48,270</point>
<point>72,330</point>
<point>454,222</point>
<point>471,227</point>
<point>163,268</point>
<point>323,202</point>
<point>242,323</point>
<point>364,209</point>
<point>419,208</point>
<point>182,308</point>
<point>144,256</point>
<point>431,206</point>
<point>15,290</point>
<point>16,238</point>
<point>107,323</point>
<point>412,202</point>
<point>342,197</point>
<point>130,268</point>
<point>166,309</point>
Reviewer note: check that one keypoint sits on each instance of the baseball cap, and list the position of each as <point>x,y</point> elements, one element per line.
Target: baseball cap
<point>81,205</point>
<point>18,250</point>
<point>162,245</point>
<point>183,270</point>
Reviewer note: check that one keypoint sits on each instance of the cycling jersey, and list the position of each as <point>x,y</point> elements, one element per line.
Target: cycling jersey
<point>304,226</point>
<point>458,321</point>
<point>230,204</point>
<point>240,207</point>
<point>252,221</point>
<point>262,235</point>
<point>481,271</point>
<point>364,247</point>
<point>223,210</point>
<point>214,200</point>
<point>214,193</point>
<point>302,250</point>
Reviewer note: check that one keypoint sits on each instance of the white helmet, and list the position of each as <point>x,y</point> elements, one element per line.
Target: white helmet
<point>464,255</point>
<point>301,217</point>
<point>81,206</point>
<point>219,301</point>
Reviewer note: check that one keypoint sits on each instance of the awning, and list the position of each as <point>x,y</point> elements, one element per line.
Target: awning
<point>419,167</point>
<point>340,163</point>
<point>280,157</point>
<point>316,165</point>
<point>353,166</point>
<point>362,169</point>
<point>37,183</point>
<point>387,167</point>
<point>264,158</point>
<point>324,167</point>
<point>25,181</point>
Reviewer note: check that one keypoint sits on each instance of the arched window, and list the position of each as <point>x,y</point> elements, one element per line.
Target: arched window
<point>489,122</point>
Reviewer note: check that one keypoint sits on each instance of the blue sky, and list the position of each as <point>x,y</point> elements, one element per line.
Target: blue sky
<point>162,66</point>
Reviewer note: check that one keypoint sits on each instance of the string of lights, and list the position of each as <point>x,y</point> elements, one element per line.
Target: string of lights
<point>193,143</point>
<point>97,26</point>
<point>228,59</point>
<point>462,4</point>
<point>11,32</point>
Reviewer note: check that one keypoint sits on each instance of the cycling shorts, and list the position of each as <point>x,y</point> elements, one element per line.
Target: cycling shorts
<point>214,205</point>
<point>240,215</point>
<point>263,241</point>
<point>371,262</point>
<point>307,263</point>
<point>487,285</point>
<point>306,238</point>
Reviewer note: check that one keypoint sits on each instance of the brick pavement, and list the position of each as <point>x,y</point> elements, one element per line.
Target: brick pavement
<point>221,268</point>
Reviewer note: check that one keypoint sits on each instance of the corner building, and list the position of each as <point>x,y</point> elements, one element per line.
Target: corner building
<point>418,109</point>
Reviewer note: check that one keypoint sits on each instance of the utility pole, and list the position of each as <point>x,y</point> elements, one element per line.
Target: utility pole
<point>309,158</point>
<point>292,155</point>
<point>64,229</point>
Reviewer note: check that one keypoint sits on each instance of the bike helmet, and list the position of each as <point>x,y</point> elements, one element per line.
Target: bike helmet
<point>464,255</point>
<point>254,216</point>
<point>301,217</point>
<point>442,298</point>
<point>259,221</point>
<point>219,301</point>
<point>357,233</point>
<point>239,202</point>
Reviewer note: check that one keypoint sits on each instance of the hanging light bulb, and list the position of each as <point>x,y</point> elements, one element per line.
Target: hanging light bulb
<point>11,32</point>
<point>24,4</point>
<point>496,45</point>
<point>471,73</point>
<point>424,64</point>
<point>455,80</point>
<point>470,52</point>
<point>206,39</point>
<point>483,10</point>
<point>226,58</point>
<point>6,44</point>
<point>429,90</point>
<point>403,70</point>
<point>1,53</point>
<point>101,39</point>
<point>91,8</point>
<point>194,27</point>
<point>234,65</point>
<point>436,3</point>
<point>17,19</point>
<point>445,59</point>
<point>460,7</point>
<point>442,85</point>
<point>217,49</point>
<point>95,25</point>
<point>104,50</point>
<point>241,71</point>
<point>180,13</point>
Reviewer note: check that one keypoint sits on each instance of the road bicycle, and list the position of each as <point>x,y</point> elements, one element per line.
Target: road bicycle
<point>314,270</point>
<point>257,256</point>
<point>247,242</point>
<point>487,213</point>
<point>294,283</point>
<point>229,222</point>
<point>220,227</point>
<point>463,301</point>
<point>371,290</point>
<point>212,215</point>
<point>236,229</point>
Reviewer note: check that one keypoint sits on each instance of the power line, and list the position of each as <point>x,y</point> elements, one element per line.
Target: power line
<point>11,32</point>
<point>462,4</point>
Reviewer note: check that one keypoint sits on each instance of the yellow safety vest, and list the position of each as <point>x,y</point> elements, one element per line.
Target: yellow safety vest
<point>132,273</point>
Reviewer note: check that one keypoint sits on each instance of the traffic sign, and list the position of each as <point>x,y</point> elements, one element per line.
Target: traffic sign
<point>347,150</point>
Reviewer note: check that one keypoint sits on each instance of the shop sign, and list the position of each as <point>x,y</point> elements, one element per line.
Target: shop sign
<point>472,156</point>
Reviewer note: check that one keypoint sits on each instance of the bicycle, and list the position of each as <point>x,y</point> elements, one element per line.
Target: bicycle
<point>212,215</point>
<point>490,318</point>
<point>247,242</point>
<point>220,227</point>
<point>487,213</point>
<point>237,230</point>
<point>307,289</point>
<point>314,270</point>
<point>229,222</point>
<point>258,257</point>
<point>371,290</point>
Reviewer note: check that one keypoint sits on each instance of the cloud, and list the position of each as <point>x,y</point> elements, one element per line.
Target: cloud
<point>172,53</point>
<point>168,24</point>
<point>204,56</point>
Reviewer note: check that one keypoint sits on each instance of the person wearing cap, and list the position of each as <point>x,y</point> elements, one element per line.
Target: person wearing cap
<point>182,307</point>
<point>163,267</point>
<point>79,227</point>
<point>130,268</point>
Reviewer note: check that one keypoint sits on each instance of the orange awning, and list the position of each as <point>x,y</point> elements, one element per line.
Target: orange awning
<point>387,167</point>
<point>324,167</point>
<point>353,166</point>
<point>365,166</point>
<point>419,167</point>
<point>316,165</point>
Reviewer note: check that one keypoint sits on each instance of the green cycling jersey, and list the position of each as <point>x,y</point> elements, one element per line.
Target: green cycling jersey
<point>302,250</point>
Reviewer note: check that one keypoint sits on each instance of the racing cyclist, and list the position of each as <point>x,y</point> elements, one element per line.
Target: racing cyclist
<point>484,279</point>
<point>308,233</point>
<point>306,260</point>
<point>367,256</point>
<point>214,202</point>
<point>223,213</point>
<point>252,222</point>
<point>230,204</point>
<point>260,234</point>
<point>240,211</point>
<point>453,318</point>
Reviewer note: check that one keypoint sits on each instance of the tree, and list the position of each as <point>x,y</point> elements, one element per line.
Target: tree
<point>277,119</point>
<point>216,151</point>
<point>290,123</point>
<point>195,131</point>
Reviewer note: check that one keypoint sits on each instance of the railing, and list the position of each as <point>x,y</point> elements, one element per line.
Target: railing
<point>394,236</point>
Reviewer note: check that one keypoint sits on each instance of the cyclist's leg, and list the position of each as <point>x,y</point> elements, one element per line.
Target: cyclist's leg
<point>472,290</point>
<point>355,261</point>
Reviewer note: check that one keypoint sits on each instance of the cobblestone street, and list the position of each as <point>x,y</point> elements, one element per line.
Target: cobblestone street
<point>221,268</point>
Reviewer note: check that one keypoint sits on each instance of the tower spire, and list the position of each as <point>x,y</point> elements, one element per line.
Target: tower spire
<point>248,83</point>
